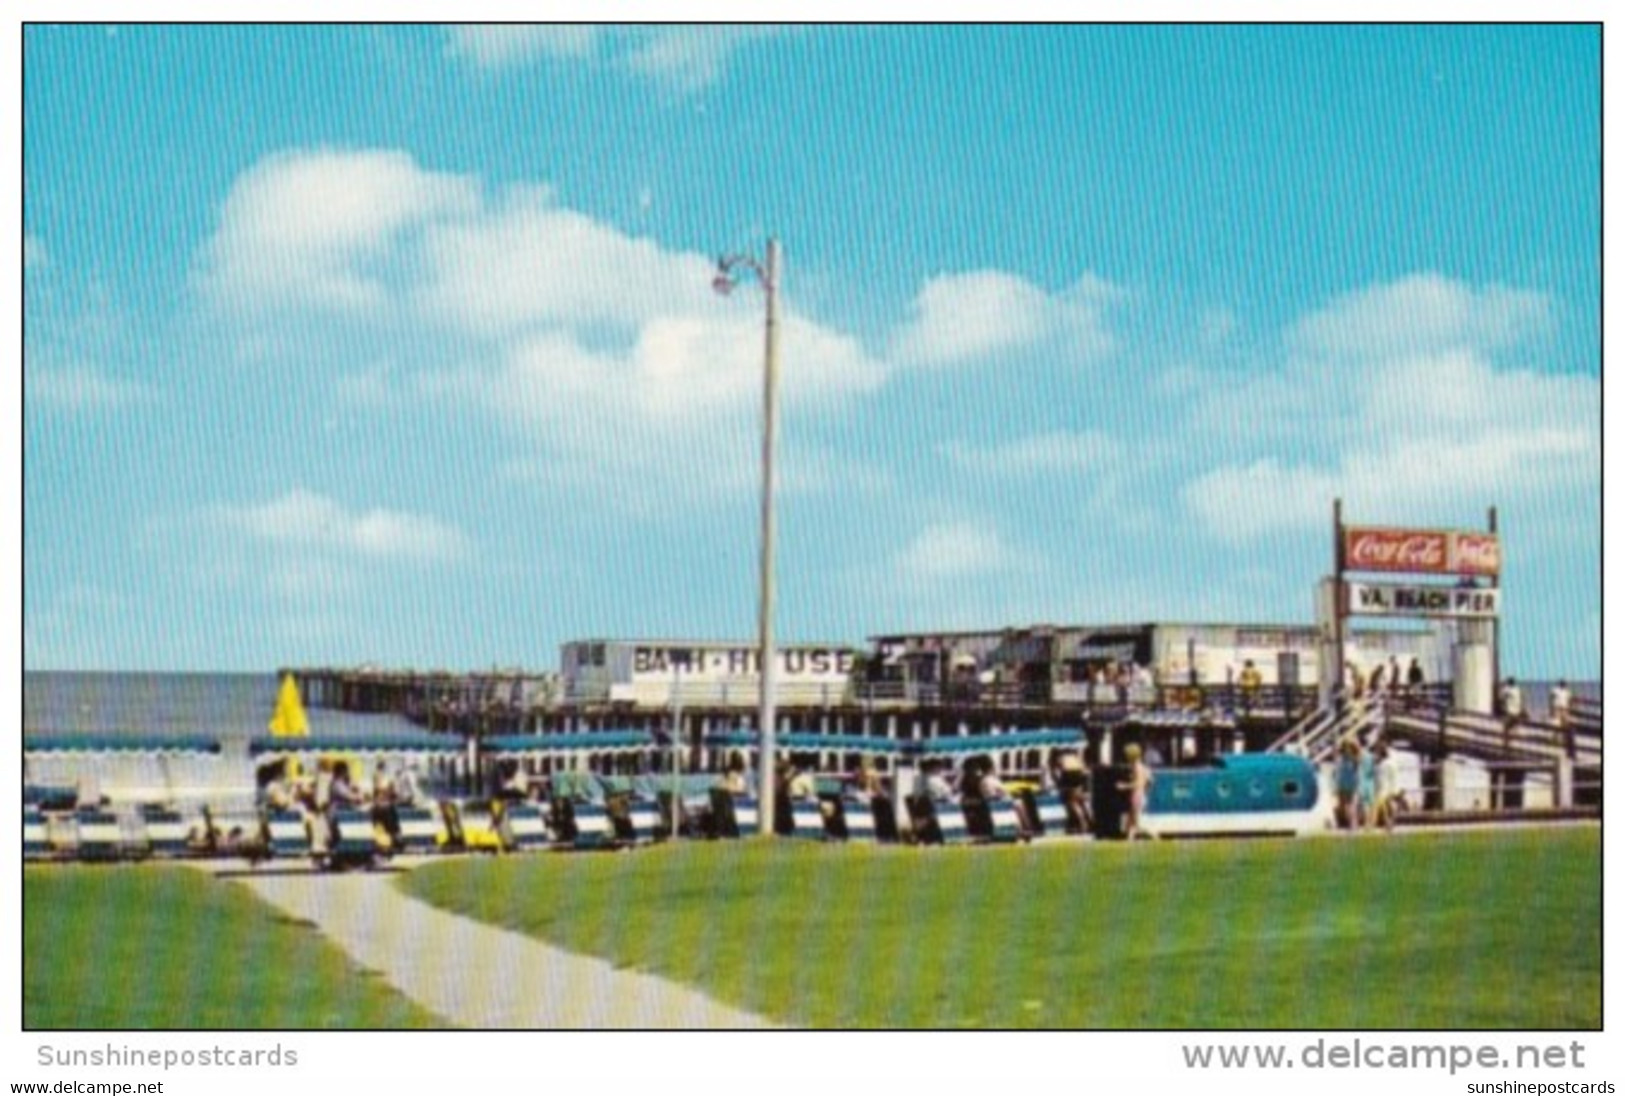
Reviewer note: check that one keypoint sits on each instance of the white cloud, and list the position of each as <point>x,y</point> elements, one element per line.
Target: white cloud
<point>674,415</point>
<point>1245,502</point>
<point>304,519</point>
<point>954,549</point>
<point>324,228</point>
<point>529,262</point>
<point>1397,408</point>
<point>694,57</point>
<point>508,45</point>
<point>77,388</point>
<point>1410,482</point>
<point>607,353</point>
<point>976,316</point>
<point>686,58</point>
<point>1422,314</point>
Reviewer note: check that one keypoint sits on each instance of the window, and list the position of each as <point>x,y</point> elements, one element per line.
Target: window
<point>1290,789</point>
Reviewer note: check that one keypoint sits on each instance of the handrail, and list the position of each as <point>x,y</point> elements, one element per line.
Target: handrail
<point>1496,736</point>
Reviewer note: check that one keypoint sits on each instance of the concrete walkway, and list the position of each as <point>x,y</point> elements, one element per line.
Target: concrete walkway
<point>477,975</point>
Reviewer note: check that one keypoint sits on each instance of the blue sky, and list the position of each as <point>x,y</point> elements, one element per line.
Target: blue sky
<point>397,344</point>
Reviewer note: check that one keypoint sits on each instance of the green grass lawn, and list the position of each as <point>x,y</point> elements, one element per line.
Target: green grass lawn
<point>1488,929</point>
<point>146,946</point>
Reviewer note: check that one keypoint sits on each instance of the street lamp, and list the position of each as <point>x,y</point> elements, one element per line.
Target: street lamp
<point>767,274</point>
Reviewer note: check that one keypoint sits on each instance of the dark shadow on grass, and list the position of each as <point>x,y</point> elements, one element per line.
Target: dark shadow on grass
<point>264,873</point>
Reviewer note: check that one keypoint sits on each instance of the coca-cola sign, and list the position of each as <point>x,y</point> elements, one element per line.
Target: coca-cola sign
<point>1412,551</point>
<point>1476,554</point>
<point>1421,551</point>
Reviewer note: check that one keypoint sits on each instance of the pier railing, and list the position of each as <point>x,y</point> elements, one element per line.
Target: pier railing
<point>1264,702</point>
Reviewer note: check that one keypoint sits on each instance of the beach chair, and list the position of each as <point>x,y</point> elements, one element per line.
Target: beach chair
<point>1050,813</point>
<point>858,819</point>
<point>644,815</point>
<point>734,815</point>
<point>422,830</point>
<point>165,832</point>
<point>747,814</point>
<point>472,826</point>
<point>938,821</point>
<point>523,827</point>
<point>36,845</point>
<point>287,835</point>
<point>950,818</point>
<point>1004,823</point>
<point>593,828</point>
<point>100,837</point>
<point>807,819</point>
<point>354,841</point>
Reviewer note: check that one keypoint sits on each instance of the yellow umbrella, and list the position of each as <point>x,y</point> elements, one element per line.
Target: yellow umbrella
<point>288,721</point>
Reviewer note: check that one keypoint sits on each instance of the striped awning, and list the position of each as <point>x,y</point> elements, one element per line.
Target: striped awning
<point>994,743</point>
<point>396,742</point>
<point>574,743</point>
<point>807,742</point>
<point>108,743</point>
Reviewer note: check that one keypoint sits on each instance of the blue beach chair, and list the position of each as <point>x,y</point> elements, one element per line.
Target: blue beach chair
<point>858,817</point>
<point>938,821</point>
<point>100,837</point>
<point>594,829</point>
<point>950,818</point>
<point>36,845</point>
<point>1050,813</point>
<point>353,839</point>
<point>523,827</point>
<point>421,829</point>
<point>734,815</point>
<point>286,834</point>
<point>807,820</point>
<point>1006,825</point>
<point>645,817</point>
<point>166,832</point>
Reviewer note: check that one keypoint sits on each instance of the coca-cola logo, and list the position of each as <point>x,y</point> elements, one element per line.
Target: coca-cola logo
<point>1393,550</point>
<point>1478,553</point>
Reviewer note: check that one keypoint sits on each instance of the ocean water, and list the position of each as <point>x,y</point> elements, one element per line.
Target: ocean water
<point>217,704</point>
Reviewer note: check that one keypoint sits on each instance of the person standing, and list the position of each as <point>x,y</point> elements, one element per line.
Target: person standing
<point>1368,790</point>
<point>1512,701</point>
<point>1346,781</point>
<point>1561,699</point>
<point>1251,681</point>
<point>407,791</point>
<point>385,812</point>
<point>1139,792</point>
<point>1073,782</point>
<point>1387,787</point>
<point>1414,678</point>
